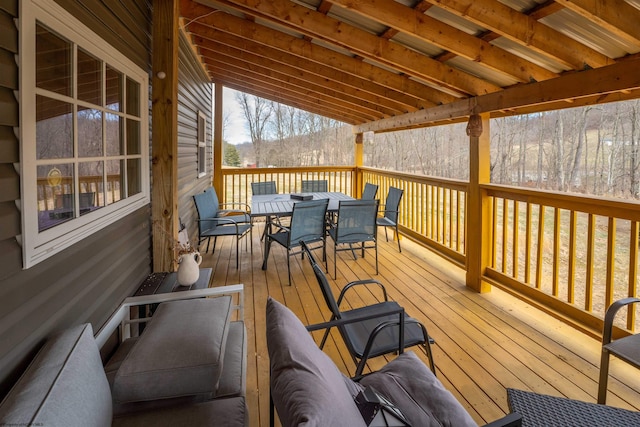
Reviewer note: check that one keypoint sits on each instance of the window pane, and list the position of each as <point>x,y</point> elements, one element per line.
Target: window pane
<point>89,132</point>
<point>133,136</point>
<point>134,177</point>
<point>115,180</point>
<point>114,135</point>
<point>89,78</point>
<point>54,129</point>
<point>133,98</point>
<point>55,195</point>
<point>114,89</point>
<point>53,62</point>
<point>91,186</point>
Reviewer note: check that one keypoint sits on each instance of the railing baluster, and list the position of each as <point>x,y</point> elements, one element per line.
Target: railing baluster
<point>571,273</point>
<point>527,247</point>
<point>591,235</point>
<point>556,251</point>
<point>611,258</point>
<point>633,274</point>
<point>539,262</point>
<point>515,246</point>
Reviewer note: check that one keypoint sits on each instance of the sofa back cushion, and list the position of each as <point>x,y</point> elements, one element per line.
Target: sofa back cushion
<point>306,387</point>
<point>65,385</point>
<point>180,352</point>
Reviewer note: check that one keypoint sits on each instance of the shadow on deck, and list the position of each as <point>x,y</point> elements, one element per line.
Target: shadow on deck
<point>484,343</point>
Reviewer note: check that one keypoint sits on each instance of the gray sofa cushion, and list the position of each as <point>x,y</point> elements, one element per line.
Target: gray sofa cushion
<point>180,352</point>
<point>421,397</point>
<point>234,370</point>
<point>65,385</point>
<point>306,387</point>
<point>230,412</point>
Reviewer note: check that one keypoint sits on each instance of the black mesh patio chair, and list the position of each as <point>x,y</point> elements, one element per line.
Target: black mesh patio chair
<point>627,348</point>
<point>374,337</point>
<point>215,223</point>
<point>315,186</point>
<point>369,192</point>
<point>260,188</point>
<point>356,224</point>
<point>390,213</point>
<point>307,223</point>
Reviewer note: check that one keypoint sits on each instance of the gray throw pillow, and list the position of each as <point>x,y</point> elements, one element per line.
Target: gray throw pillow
<point>306,387</point>
<point>411,386</point>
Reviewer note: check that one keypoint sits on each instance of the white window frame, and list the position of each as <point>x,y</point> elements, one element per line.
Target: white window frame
<point>201,144</point>
<point>38,246</point>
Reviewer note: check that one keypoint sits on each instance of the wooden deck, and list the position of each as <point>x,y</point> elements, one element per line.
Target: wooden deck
<point>484,343</point>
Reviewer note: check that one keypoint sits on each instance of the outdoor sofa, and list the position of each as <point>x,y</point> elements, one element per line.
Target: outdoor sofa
<point>172,374</point>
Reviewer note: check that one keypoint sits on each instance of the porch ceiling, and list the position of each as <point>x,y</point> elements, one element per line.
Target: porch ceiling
<point>383,61</point>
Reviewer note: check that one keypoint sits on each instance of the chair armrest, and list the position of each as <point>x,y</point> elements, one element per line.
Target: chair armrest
<point>510,420</point>
<point>358,283</point>
<point>221,221</point>
<point>610,316</point>
<point>245,207</point>
<point>121,317</point>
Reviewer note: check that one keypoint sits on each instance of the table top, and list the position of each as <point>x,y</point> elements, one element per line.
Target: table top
<point>282,204</point>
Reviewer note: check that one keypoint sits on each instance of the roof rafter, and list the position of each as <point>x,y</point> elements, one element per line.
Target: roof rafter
<point>617,16</point>
<point>317,25</point>
<point>525,30</point>
<point>410,21</point>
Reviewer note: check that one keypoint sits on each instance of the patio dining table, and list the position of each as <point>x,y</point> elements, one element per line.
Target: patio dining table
<point>279,205</point>
<point>270,205</point>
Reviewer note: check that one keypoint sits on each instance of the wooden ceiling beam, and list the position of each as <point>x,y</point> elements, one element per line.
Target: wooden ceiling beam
<point>617,16</point>
<point>525,30</point>
<point>278,72</point>
<point>410,21</point>
<point>317,25</point>
<point>360,75</point>
<point>348,83</point>
<point>597,84</point>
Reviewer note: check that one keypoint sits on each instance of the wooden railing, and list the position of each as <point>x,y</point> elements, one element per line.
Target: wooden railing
<point>574,254</point>
<point>237,181</point>
<point>432,210</point>
<point>571,255</point>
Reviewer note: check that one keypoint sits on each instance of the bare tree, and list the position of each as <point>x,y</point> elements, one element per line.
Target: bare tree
<point>256,112</point>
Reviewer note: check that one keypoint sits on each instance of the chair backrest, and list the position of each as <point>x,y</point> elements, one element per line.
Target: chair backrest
<point>392,204</point>
<point>356,221</point>
<point>267,187</point>
<point>370,191</point>
<point>308,221</point>
<point>315,186</point>
<point>211,193</point>
<point>206,209</point>
<point>327,293</point>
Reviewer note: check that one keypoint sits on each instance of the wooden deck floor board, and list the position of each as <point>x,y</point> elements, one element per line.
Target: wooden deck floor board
<point>484,343</point>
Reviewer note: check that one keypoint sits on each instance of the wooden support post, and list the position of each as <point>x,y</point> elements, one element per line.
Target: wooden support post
<point>478,205</point>
<point>164,170</point>
<point>357,184</point>
<point>218,182</point>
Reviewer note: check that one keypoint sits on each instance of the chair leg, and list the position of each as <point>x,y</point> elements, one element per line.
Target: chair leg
<point>267,248</point>
<point>398,237</point>
<point>386,236</point>
<point>289,266</point>
<point>604,377</point>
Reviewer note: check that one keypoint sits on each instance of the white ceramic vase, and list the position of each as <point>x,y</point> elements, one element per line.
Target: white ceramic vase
<point>189,268</point>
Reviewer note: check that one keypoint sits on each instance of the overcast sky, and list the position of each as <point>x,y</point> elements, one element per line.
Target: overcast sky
<point>236,132</point>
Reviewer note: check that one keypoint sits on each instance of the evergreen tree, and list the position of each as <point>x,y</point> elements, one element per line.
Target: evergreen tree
<point>231,156</point>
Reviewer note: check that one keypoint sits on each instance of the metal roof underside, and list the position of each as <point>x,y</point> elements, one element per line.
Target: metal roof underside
<point>370,61</point>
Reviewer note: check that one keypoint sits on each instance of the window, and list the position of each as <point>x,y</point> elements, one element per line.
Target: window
<point>83,132</point>
<point>202,144</point>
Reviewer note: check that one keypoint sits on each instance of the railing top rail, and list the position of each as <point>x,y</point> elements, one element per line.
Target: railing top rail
<point>455,184</point>
<point>604,206</point>
<point>254,171</point>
